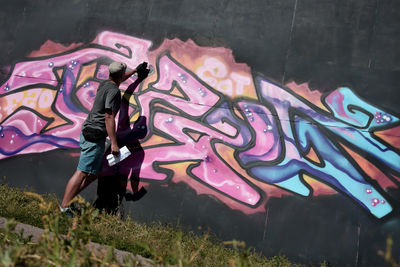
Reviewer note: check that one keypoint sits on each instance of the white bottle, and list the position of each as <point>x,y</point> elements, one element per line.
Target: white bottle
<point>123,154</point>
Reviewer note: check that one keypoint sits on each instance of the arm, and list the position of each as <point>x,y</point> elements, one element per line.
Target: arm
<point>128,74</point>
<point>110,127</point>
<point>123,119</point>
<point>139,70</point>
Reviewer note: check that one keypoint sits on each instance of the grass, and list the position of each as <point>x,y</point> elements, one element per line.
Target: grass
<point>387,254</point>
<point>165,244</point>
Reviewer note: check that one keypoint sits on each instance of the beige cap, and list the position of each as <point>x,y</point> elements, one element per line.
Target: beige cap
<point>117,67</point>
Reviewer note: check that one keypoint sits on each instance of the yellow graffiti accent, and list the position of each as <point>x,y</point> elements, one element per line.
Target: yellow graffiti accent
<point>369,168</point>
<point>317,186</point>
<point>87,72</point>
<point>222,77</point>
<point>178,168</point>
<point>390,136</point>
<point>194,135</point>
<point>130,99</point>
<point>304,91</point>
<point>176,92</point>
<point>156,140</point>
<point>134,118</point>
<point>165,107</point>
<point>37,99</point>
<point>60,73</point>
<point>237,113</point>
<point>312,155</point>
<point>40,100</point>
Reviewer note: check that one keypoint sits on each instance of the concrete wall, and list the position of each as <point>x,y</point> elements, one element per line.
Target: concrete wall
<point>272,122</point>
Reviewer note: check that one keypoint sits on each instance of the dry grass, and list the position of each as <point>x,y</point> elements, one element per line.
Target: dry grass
<point>162,243</point>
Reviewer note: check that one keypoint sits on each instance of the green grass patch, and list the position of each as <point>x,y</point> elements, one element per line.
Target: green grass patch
<point>162,243</point>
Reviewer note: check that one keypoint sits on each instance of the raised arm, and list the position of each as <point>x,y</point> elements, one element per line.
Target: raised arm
<point>140,70</point>
<point>123,119</point>
<point>128,74</point>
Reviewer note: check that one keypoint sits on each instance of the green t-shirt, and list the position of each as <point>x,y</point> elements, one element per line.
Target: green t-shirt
<point>108,96</point>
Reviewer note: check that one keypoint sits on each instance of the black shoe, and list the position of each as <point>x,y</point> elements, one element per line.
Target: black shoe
<point>67,212</point>
<point>136,196</point>
<point>75,208</point>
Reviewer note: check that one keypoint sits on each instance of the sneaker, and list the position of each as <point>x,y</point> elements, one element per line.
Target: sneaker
<point>67,212</point>
<point>75,208</point>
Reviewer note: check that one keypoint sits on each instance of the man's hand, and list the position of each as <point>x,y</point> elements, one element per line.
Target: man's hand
<point>115,150</point>
<point>141,67</point>
<point>142,70</point>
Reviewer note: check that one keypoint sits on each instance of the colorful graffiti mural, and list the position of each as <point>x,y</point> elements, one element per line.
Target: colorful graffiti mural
<point>211,122</point>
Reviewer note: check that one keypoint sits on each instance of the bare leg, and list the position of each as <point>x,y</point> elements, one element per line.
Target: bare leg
<point>87,181</point>
<point>78,181</point>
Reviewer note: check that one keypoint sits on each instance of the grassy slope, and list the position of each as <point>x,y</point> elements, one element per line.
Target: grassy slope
<point>162,243</point>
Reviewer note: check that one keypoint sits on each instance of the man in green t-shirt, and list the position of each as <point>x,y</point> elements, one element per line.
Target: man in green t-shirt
<point>99,123</point>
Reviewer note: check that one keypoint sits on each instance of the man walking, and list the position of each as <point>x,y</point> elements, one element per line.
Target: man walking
<point>99,123</point>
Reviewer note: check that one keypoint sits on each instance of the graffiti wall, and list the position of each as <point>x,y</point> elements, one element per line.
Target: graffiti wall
<point>240,142</point>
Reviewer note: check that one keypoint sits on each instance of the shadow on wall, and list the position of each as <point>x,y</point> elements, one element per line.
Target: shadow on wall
<point>113,183</point>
